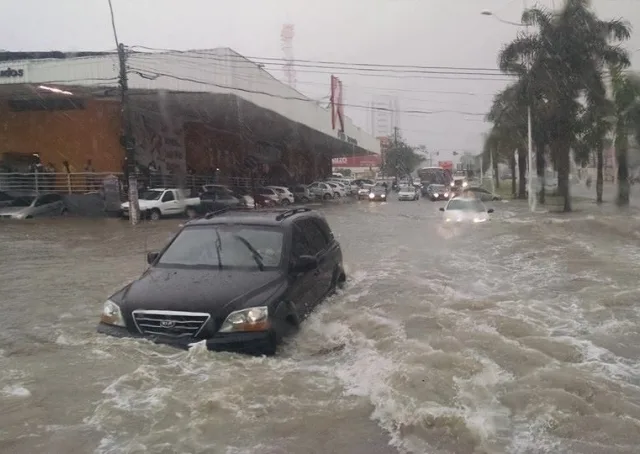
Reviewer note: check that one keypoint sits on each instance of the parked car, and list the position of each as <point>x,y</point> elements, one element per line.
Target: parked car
<point>285,197</point>
<point>462,209</point>
<point>5,199</point>
<point>301,193</point>
<point>28,207</point>
<point>218,200</point>
<point>320,190</point>
<point>266,197</point>
<point>408,192</point>
<point>338,189</point>
<point>158,203</point>
<point>239,281</point>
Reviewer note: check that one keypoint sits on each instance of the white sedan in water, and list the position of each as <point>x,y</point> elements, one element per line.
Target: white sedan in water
<point>462,209</point>
<point>408,192</point>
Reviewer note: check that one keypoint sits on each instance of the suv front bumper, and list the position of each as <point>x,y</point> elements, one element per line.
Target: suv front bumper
<point>251,343</point>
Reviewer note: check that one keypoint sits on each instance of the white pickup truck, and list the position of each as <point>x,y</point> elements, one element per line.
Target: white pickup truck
<point>158,203</point>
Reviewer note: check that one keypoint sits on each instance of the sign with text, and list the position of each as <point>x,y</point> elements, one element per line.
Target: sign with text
<point>357,161</point>
<point>447,165</point>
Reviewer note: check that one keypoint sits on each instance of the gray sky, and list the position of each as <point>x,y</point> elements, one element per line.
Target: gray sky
<point>403,32</point>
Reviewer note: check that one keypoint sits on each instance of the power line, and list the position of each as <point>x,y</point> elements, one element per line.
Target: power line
<point>156,73</point>
<point>321,62</point>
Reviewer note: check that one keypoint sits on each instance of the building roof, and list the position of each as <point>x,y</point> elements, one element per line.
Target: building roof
<point>218,71</point>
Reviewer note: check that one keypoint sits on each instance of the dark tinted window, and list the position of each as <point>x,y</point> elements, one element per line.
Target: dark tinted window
<point>315,237</point>
<point>300,244</point>
<point>4,197</point>
<point>168,196</point>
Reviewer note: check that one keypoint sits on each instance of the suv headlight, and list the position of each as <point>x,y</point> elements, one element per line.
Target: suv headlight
<point>111,314</point>
<point>465,184</point>
<point>251,319</point>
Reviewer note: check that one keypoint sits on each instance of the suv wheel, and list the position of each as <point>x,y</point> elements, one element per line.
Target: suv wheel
<point>285,202</point>
<point>327,196</point>
<point>336,195</point>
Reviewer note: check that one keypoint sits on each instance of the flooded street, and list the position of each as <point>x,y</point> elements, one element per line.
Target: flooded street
<point>517,336</point>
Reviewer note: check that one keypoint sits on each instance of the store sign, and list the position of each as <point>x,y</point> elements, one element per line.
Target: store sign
<point>357,161</point>
<point>10,72</point>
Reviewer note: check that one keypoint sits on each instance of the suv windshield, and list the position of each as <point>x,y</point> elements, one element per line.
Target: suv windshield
<point>465,205</point>
<point>226,246</point>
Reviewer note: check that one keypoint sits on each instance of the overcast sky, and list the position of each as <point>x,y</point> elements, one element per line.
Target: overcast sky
<point>449,33</point>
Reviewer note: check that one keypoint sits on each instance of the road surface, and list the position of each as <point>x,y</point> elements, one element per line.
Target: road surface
<point>517,336</point>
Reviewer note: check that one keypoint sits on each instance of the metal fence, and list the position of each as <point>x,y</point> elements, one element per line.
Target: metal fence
<point>82,183</point>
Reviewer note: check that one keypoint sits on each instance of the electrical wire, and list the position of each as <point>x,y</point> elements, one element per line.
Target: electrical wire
<point>156,73</point>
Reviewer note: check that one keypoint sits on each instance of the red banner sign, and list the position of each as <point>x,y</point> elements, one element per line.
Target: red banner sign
<point>357,161</point>
<point>447,165</point>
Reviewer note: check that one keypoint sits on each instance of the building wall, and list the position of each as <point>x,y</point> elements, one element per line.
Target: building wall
<point>69,135</point>
<point>214,71</point>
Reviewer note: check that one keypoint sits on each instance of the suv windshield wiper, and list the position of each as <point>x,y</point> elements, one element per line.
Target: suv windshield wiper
<point>218,248</point>
<point>255,254</point>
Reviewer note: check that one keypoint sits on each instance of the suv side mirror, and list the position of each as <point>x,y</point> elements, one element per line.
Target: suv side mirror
<point>490,210</point>
<point>441,208</point>
<point>152,256</point>
<point>305,263</point>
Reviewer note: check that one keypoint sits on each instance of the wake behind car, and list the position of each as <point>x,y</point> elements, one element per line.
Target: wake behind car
<point>239,281</point>
<point>467,210</point>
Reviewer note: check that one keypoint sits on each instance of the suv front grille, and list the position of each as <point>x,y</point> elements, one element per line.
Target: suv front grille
<point>170,323</point>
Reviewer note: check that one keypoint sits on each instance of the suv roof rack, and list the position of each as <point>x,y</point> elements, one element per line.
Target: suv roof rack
<point>288,213</point>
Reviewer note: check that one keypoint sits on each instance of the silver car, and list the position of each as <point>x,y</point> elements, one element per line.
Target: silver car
<point>408,192</point>
<point>28,207</point>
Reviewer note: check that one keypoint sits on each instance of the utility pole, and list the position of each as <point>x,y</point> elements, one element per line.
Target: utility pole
<point>126,139</point>
<point>395,147</point>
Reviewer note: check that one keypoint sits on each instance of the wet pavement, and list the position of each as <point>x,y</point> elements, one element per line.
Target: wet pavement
<point>520,336</point>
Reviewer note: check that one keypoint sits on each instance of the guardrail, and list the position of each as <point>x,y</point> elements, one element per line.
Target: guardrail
<point>87,182</point>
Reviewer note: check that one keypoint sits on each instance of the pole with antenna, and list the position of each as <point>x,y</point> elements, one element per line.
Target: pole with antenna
<point>126,139</point>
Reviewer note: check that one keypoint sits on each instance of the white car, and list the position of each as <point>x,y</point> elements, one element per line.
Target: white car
<point>285,196</point>
<point>320,190</point>
<point>338,189</point>
<point>461,209</point>
<point>158,203</point>
<point>408,192</point>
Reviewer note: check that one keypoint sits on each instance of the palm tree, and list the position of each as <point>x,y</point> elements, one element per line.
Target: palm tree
<point>559,63</point>
<point>508,114</point>
<point>626,101</point>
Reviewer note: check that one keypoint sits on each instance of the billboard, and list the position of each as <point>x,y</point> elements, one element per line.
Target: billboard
<point>357,161</point>
<point>447,165</point>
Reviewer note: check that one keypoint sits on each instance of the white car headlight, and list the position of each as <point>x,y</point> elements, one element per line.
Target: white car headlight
<point>383,195</point>
<point>452,184</point>
<point>465,184</point>
<point>372,195</point>
<point>111,314</point>
<point>435,194</point>
<point>446,194</point>
<point>251,319</point>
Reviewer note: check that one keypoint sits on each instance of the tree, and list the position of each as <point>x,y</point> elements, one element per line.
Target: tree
<point>560,62</point>
<point>400,158</point>
<point>626,103</point>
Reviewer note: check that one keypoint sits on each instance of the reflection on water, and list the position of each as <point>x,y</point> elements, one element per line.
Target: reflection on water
<point>518,336</point>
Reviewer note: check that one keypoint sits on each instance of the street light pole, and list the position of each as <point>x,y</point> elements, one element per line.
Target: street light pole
<point>531,197</point>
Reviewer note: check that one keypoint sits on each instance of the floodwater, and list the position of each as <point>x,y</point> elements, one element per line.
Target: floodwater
<point>517,336</point>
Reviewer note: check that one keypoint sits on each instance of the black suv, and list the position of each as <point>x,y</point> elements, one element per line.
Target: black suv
<point>241,281</point>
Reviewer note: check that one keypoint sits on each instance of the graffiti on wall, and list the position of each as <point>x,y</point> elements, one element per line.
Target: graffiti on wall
<point>160,140</point>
